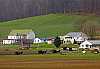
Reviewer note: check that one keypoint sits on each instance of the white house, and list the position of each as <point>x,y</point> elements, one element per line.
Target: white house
<point>7,41</point>
<point>37,40</point>
<point>80,40</point>
<point>74,36</point>
<point>77,35</point>
<point>67,39</point>
<point>91,44</point>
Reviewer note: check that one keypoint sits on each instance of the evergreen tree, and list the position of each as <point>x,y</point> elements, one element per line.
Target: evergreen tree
<point>57,42</point>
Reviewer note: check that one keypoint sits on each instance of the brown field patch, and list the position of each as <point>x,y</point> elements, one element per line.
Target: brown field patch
<point>50,64</point>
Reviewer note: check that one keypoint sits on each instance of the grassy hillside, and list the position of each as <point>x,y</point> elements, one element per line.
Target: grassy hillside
<point>49,25</point>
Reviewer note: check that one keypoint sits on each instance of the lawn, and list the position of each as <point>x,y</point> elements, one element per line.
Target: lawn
<point>45,26</point>
<point>43,46</point>
<point>10,46</point>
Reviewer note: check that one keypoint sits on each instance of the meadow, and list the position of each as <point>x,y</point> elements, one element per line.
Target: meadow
<point>45,26</point>
<point>68,56</point>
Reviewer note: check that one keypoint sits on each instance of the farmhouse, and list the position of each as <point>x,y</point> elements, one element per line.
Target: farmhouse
<point>19,34</point>
<point>74,36</point>
<point>77,35</point>
<point>66,39</point>
<point>91,44</point>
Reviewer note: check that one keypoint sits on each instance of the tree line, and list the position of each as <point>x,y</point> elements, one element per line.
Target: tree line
<point>12,9</point>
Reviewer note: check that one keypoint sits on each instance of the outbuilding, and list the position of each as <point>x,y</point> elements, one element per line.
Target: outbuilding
<point>90,44</point>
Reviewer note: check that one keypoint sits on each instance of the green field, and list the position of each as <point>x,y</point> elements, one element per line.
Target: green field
<point>69,56</point>
<point>45,26</point>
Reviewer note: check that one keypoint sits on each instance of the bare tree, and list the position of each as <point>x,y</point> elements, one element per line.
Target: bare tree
<point>64,7</point>
<point>88,27</point>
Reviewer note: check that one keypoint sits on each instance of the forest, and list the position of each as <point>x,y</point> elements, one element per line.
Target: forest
<point>15,9</point>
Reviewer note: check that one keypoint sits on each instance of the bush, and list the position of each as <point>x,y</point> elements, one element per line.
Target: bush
<point>18,53</point>
<point>57,42</point>
<point>95,51</point>
<point>42,52</point>
<point>7,53</point>
<point>55,51</point>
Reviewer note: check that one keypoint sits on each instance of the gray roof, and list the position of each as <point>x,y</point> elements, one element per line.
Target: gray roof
<point>76,34</point>
<point>20,32</point>
<point>95,42</point>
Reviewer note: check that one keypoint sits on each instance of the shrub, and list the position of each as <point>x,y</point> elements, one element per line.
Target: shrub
<point>18,52</point>
<point>42,52</point>
<point>95,51</point>
<point>57,42</point>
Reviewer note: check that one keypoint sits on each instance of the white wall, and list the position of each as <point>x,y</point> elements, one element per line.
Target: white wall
<point>14,37</point>
<point>49,42</point>
<point>68,39</point>
<point>85,44</point>
<point>8,41</point>
<point>37,40</point>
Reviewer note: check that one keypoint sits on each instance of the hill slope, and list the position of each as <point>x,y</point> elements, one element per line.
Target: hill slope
<point>43,26</point>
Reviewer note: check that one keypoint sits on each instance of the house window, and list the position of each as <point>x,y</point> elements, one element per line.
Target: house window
<point>87,45</point>
<point>82,45</point>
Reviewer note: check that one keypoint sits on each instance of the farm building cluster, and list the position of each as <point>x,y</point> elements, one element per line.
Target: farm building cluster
<point>27,36</point>
<point>81,39</point>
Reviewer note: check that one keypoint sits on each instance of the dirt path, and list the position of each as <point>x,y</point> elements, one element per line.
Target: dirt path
<point>50,64</point>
